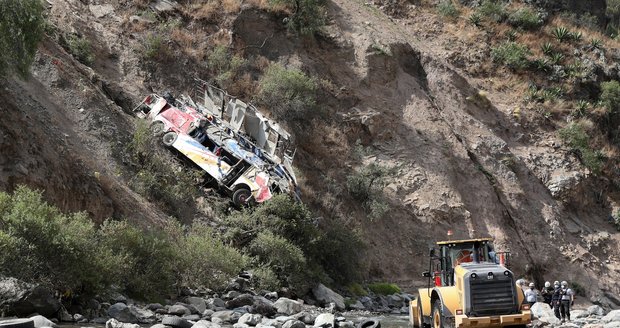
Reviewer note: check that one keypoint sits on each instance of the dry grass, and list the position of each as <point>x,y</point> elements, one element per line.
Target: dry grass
<point>260,4</point>
<point>222,37</point>
<point>231,6</point>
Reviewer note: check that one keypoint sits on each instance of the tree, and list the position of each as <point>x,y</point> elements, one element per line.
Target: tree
<point>21,29</point>
<point>308,16</point>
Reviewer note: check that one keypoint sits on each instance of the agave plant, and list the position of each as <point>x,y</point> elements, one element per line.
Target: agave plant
<point>581,108</point>
<point>576,36</point>
<point>547,48</point>
<point>556,58</point>
<point>475,19</point>
<point>596,44</point>
<point>511,35</point>
<point>561,33</point>
<point>541,64</point>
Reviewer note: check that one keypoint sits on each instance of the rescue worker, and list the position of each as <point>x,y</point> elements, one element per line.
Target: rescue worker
<point>555,299</point>
<point>547,293</point>
<point>531,295</point>
<point>566,301</point>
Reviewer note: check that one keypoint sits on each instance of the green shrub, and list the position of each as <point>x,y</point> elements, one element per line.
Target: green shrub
<point>224,65</point>
<point>21,29</point>
<point>541,64</point>
<point>378,209</point>
<point>264,278</point>
<point>576,36</point>
<point>384,288</point>
<point>561,33</point>
<point>154,47</point>
<point>339,251</point>
<point>283,257</point>
<point>581,108</point>
<point>613,219</point>
<point>556,58</point>
<point>610,95</point>
<point>308,18</point>
<point>494,10</point>
<point>575,136</point>
<point>45,246</point>
<point>511,54</point>
<point>150,258</point>
<point>206,261</point>
<point>447,8</point>
<point>80,48</point>
<point>158,177</point>
<point>364,184</point>
<point>289,93</point>
<point>511,35</point>
<point>356,289</point>
<point>525,18</point>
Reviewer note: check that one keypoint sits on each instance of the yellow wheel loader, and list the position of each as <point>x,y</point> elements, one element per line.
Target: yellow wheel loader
<point>471,287</point>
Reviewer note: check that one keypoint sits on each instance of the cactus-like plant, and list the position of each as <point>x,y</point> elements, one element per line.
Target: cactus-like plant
<point>547,48</point>
<point>561,33</point>
<point>475,19</point>
<point>556,58</point>
<point>576,36</point>
<point>596,44</point>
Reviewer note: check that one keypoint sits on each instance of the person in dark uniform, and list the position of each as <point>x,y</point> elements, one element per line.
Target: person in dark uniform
<point>555,299</point>
<point>547,292</point>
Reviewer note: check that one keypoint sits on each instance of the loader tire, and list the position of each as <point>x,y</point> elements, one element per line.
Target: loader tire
<point>369,324</point>
<point>438,319</point>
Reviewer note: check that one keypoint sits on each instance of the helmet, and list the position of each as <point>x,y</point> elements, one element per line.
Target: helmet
<point>521,282</point>
<point>564,283</point>
<point>547,284</point>
<point>531,284</point>
<point>556,283</point>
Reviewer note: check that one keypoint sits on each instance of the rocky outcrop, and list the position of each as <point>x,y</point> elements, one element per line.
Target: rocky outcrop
<point>21,299</point>
<point>326,296</point>
<point>287,306</point>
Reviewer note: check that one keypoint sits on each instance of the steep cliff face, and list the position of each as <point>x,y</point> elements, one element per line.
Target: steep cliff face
<point>410,90</point>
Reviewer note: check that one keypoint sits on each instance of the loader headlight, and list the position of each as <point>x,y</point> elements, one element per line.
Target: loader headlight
<point>474,276</point>
<point>490,275</point>
<point>507,273</point>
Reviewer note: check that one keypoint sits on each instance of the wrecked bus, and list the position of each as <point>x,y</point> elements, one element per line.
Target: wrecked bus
<point>242,169</point>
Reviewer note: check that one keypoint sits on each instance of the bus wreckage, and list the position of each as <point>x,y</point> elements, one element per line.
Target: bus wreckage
<point>248,155</point>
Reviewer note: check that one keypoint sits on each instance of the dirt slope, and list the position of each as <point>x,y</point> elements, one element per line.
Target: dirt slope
<point>403,87</point>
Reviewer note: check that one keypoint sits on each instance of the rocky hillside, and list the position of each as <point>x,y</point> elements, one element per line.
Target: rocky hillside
<point>458,134</point>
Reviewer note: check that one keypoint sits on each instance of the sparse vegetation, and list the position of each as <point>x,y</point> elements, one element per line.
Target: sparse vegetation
<point>596,44</point>
<point>157,177</point>
<point>494,10</point>
<point>581,108</point>
<point>380,49</point>
<point>366,186</point>
<point>225,65</point>
<point>576,137</point>
<point>511,54</point>
<point>21,28</point>
<point>80,48</point>
<point>547,48</point>
<point>154,47</point>
<point>356,289</point>
<point>610,96</point>
<point>447,8</point>
<point>475,19</point>
<point>613,219</point>
<point>289,93</point>
<point>308,16</point>
<point>384,288</point>
<point>525,18</point>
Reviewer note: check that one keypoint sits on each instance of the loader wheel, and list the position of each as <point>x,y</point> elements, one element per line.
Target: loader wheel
<point>419,320</point>
<point>438,319</point>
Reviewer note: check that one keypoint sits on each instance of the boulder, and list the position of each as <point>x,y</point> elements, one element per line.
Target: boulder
<point>287,306</point>
<point>262,305</point>
<point>159,325</point>
<point>226,316</point>
<point>544,313</point>
<point>324,320</point>
<point>197,302</point>
<point>611,316</point>
<point>250,319</point>
<point>260,325</point>
<point>206,324</point>
<point>215,303</point>
<point>122,313</point>
<point>154,306</point>
<point>239,301</point>
<point>179,309</point>
<point>240,325</point>
<point>231,294</point>
<point>63,315</point>
<point>577,314</point>
<point>113,323</point>
<point>266,322</point>
<point>207,314</point>
<point>305,317</point>
<point>325,296</point>
<point>613,324</point>
<point>191,317</point>
<point>346,324</point>
<point>21,299</point>
<point>143,315</point>
<point>294,324</point>
<point>357,306</point>
<point>596,310</point>
<point>271,296</point>
<point>41,321</point>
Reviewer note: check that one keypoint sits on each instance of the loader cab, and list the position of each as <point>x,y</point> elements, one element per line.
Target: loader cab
<point>453,253</point>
